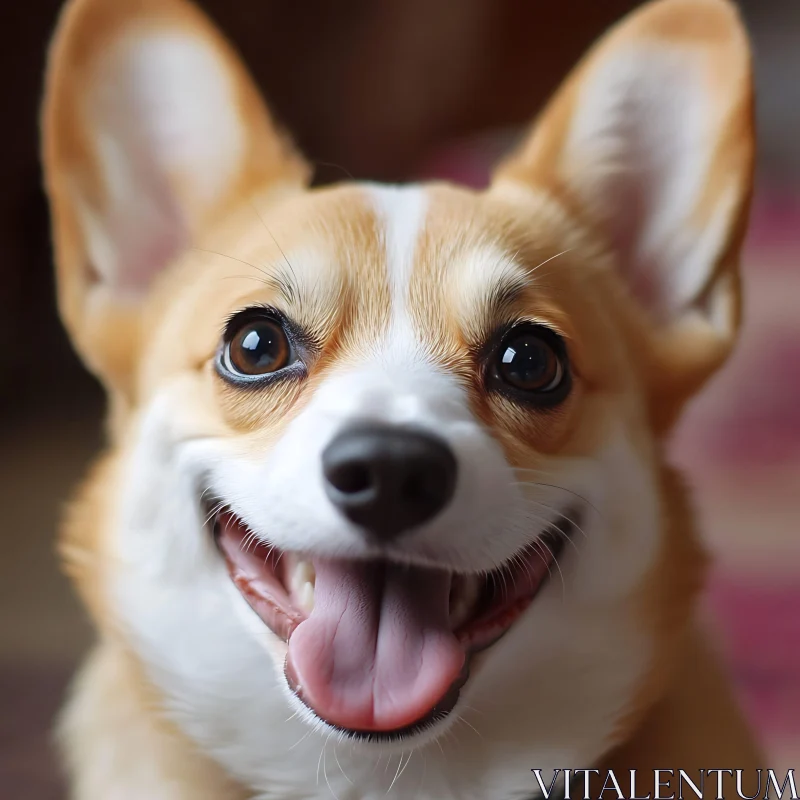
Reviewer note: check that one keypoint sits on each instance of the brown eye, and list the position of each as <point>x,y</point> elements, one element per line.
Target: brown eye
<point>258,347</point>
<point>531,361</point>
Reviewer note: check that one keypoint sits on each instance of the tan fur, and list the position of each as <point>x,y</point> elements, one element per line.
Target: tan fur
<point>683,715</point>
<point>114,737</point>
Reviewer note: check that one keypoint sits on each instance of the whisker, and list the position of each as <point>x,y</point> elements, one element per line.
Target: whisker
<point>285,258</point>
<point>377,763</point>
<point>424,770</point>
<point>319,763</point>
<point>451,732</point>
<point>552,258</point>
<point>502,574</point>
<point>527,470</point>
<point>334,166</point>
<point>305,736</point>
<point>214,511</point>
<point>271,278</point>
<point>526,567</point>
<point>470,725</point>
<point>474,710</point>
<point>410,756</point>
<point>554,560</point>
<point>397,773</point>
<point>325,766</point>
<point>560,514</point>
<point>248,542</point>
<point>233,258</point>
<point>568,539</point>
<point>338,764</point>
<point>246,278</point>
<point>562,488</point>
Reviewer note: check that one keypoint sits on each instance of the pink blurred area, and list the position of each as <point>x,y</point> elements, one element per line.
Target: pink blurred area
<point>739,443</point>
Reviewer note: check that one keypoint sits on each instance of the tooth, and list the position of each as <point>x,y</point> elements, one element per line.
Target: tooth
<point>303,573</point>
<point>466,595</point>
<point>306,597</point>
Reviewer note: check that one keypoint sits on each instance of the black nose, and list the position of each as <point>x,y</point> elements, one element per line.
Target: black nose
<point>387,479</point>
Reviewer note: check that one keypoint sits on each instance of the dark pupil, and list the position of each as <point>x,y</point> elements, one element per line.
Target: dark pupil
<point>528,363</point>
<point>262,346</point>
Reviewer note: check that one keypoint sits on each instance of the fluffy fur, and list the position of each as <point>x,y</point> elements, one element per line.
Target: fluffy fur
<point>177,202</point>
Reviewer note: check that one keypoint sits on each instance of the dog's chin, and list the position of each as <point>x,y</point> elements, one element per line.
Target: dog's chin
<point>375,649</point>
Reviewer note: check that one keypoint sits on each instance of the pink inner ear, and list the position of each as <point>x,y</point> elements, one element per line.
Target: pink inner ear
<point>638,153</point>
<point>169,140</point>
<point>155,254</point>
<point>146,228</point>
<point>647,286</point>
<point>629,196</point>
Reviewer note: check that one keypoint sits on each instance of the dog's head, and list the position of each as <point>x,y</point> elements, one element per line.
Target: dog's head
<point>391,456</point>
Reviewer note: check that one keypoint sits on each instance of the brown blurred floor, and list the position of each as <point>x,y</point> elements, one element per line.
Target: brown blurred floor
<point>43,452</point>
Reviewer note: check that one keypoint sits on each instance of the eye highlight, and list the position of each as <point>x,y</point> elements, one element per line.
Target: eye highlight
<point>530,365</point>
<point>256,345</point>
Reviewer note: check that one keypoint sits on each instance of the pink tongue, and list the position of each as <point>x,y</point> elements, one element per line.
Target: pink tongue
<point>376,653</point>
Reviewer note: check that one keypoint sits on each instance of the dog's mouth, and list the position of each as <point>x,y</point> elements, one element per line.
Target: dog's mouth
<point>380,649</point>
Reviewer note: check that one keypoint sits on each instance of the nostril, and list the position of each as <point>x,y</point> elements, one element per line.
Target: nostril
<point>352,478</point>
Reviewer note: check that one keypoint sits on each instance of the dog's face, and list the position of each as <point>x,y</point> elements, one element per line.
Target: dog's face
<point>387,459</point>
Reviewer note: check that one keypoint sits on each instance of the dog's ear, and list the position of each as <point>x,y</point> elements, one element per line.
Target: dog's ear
<point>151,125</point>
<point>650,143</point>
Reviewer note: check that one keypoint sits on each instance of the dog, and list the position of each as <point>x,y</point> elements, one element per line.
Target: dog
<point>385,505</point>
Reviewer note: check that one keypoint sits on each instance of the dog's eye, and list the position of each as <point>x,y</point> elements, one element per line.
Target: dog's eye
<point>257,347</point>
<point>531,362</point>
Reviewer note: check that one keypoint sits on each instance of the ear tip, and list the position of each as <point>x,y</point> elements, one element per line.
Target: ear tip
<point>703,18</point>
<point>715,27</point>
<point>727,7</point>
<point>82,24</point>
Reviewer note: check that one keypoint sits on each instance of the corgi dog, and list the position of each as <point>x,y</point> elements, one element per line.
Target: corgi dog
<point>385,506</point>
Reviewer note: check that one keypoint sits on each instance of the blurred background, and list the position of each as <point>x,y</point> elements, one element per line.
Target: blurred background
<point>397,90</point>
